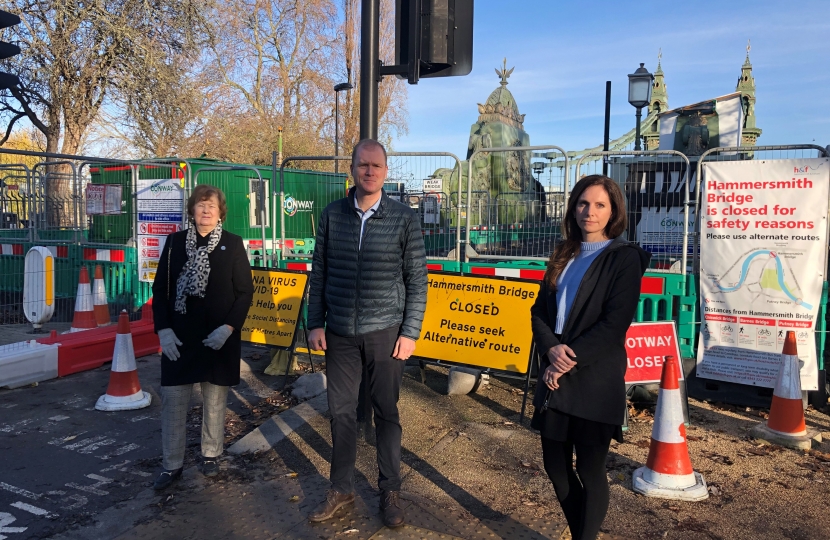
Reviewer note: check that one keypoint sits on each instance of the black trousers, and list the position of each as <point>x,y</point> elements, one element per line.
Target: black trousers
<point>583,494</point>
<point>345,358</point>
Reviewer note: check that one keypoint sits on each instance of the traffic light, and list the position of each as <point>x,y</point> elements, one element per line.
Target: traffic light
<point>7,50</point>
<point>433,38</point>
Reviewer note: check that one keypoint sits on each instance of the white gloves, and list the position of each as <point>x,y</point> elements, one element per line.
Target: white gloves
<point>168,342</point>
<point>218,337</point>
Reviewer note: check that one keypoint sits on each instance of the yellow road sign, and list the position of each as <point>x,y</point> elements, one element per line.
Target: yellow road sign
<point>479,321</point>
<point>275,309</point>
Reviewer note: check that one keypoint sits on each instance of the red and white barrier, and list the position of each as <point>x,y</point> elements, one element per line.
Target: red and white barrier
<point>82,351</point>
<point>124,392</point>
<point>84,317</point>
<point>668,473</point>
<point>508,272</point>
<point>786,425</point>
<point>99,298</point>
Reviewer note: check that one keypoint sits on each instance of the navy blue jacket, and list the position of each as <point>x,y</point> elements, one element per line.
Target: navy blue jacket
<point>383,283</point>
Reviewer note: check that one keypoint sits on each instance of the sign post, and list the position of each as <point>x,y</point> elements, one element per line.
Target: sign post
<point>160,204</point>
<point>473,320</point>
<point>647,344</point>
<point>276,307</point>
<point>763,247</point>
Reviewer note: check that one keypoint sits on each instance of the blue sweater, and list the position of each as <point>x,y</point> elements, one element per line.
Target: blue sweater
<point>571,277</point>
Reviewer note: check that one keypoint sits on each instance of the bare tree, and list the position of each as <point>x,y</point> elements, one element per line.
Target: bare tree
<point>74,53</point>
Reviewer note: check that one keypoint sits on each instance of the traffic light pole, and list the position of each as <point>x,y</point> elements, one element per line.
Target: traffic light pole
<point>369,68</point>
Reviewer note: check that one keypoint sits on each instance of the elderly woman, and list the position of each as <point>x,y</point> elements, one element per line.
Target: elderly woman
<point>201,296</point>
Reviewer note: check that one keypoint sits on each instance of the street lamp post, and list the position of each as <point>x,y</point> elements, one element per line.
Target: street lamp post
<point>639,95</point>
<point>337,89</point>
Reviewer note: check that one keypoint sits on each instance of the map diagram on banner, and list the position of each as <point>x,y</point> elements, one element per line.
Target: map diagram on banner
<point>768,275</point>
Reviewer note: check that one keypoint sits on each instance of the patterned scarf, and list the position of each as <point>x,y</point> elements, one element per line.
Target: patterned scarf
<point>194,276</point>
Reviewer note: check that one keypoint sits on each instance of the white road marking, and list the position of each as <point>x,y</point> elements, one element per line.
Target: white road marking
<point>123,468</point>
<point>100,478</point>
<point>119,451</point>
<point>119,466</point>
<point>19,491</point>
<point>142,417</point>
<point>58,418</point>
<point>80,501</point>
<point>8,519</point>
<point>8,406</point>
<point>61,440</point>
<point>34,510</point>
<point>84,442</point>
<point>8,428</point>
<point>56,492</point>
<point>95,446</point>
<point>101,481</point>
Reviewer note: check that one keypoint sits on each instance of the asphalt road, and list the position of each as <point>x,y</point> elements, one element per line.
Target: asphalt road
<point>62,461</point>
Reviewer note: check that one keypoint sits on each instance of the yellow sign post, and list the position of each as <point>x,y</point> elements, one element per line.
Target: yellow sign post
<point>275,309</point>
<point>482,322</point>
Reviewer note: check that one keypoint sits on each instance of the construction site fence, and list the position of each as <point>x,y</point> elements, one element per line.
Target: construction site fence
<point>499,212</point>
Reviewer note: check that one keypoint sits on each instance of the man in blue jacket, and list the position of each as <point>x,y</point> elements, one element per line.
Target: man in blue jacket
<point>367,298</point>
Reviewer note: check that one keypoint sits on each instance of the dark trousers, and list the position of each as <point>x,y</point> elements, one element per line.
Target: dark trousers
<point>345,358</point>
<point>583,494</point>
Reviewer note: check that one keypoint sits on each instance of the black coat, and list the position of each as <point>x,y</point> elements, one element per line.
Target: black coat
<point>228,296</point>
<point>603,309</point>
<point>383,284</point>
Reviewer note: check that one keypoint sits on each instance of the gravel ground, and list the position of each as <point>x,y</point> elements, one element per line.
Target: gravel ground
<point>470,453</point>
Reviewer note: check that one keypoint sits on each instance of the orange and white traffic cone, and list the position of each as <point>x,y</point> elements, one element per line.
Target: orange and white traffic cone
<point>99,298</point>
<point>668,473</point>
<point>84,317</point>
<point>785,425</point>
<point>124,391</point>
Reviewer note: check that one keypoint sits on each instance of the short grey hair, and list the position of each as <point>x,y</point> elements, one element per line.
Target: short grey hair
<point>370,143</point>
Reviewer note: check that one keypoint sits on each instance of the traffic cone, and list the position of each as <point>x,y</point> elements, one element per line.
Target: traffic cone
<point>99,298</point>
<point>84,317</point>
<point>785,425</point>
<point>124,391</point>
<point>668,473</point>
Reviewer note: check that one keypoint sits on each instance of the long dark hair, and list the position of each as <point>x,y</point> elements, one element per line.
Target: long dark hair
<point>568,248</point>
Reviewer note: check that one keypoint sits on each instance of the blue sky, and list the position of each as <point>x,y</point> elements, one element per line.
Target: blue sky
<point>564,51</point>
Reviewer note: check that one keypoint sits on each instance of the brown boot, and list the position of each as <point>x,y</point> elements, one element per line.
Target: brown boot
<point>393,514</point>
<point>334,501</point>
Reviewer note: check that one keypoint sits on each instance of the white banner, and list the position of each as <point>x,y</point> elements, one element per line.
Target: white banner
<point>763,232</point>
<point>160,204</point>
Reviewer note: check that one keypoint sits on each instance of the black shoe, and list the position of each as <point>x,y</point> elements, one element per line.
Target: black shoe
<point>210,467</point>
<point>166,478</point>
<point>393,514</point>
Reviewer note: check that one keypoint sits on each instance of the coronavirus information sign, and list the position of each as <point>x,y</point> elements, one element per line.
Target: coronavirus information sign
<point>482,322</point>
<point>275,308</point>
<point>763,244</point>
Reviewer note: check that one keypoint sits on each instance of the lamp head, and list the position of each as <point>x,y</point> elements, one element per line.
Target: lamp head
<point>639,87</point>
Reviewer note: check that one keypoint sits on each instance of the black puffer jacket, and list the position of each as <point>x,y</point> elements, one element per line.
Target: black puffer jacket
<point>383,283</point>
<point>604,306</point>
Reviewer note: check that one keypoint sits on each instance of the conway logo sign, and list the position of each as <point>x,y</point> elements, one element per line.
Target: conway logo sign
<point>292,206</point>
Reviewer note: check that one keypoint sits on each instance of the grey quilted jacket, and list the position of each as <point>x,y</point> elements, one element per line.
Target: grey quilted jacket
<point>354,291</point>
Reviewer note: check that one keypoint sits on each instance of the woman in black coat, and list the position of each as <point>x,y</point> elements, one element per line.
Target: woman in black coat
<point>586,303</point>
<point>201,295</point>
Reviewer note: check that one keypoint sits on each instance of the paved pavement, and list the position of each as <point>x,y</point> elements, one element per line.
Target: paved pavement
<point>72,473</point>
<point>63,462</point>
